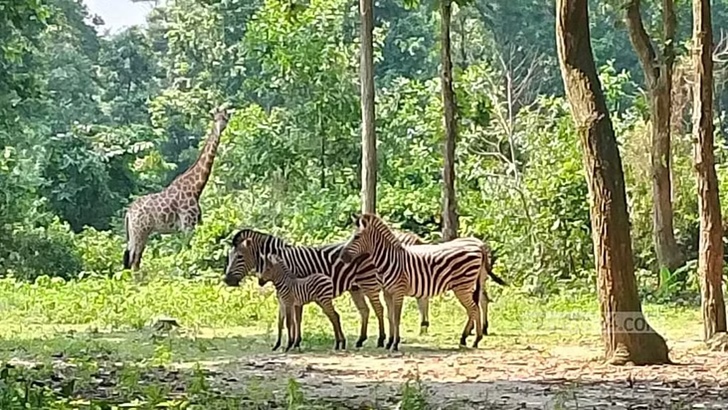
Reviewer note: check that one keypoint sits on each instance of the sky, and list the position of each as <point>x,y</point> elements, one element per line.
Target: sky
<point>118,14</point>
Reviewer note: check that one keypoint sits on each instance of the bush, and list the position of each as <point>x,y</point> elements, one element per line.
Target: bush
<point>42,251</point>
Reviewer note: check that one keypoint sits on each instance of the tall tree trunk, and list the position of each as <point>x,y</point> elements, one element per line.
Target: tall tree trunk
<point>658,80</point>
<point>449,199</point>
<point>368,137</point>
<point>627,335</point>
<point>710,257</point>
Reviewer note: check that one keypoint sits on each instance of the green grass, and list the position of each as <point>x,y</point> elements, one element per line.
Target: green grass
<point>101,322</point>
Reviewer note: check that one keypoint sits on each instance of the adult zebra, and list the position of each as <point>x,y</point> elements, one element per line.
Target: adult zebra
<point>459,265</point>
<point>359,278</point>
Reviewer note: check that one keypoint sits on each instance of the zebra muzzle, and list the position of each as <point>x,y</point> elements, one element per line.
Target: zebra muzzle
<point>232,280</point>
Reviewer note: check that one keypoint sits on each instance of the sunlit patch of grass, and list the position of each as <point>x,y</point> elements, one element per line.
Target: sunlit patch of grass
<point>100,322</point>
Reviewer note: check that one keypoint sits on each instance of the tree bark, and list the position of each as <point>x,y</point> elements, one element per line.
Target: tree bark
<point>627,335</point>
<point>368,137</point>
<point>658,80</point>
<point>710,254</point>
<point>449,198</point>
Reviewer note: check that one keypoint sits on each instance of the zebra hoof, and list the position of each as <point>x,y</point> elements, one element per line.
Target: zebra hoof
<point>360,342</point>
<point>390,342</point>
<point>277,345</point>
<point>395,346</point>
<point>463,340</point>
<point>380,341</point>
<point>485,329</point>
<point>475,343</point>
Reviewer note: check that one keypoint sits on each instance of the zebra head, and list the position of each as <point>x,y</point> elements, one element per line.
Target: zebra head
<point>360,242</point>
<point>241,261</point>
<point>273,270</point>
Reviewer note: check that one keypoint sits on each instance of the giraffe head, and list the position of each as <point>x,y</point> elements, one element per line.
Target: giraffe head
<point>221,116</point>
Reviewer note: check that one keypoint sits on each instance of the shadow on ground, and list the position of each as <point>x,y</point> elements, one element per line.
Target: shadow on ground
<point>240,366</point>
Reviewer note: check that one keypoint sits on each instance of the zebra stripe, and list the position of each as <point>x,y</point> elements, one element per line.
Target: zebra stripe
<point>359,278</point>
<point>294,292</point>
<point>421,270</point>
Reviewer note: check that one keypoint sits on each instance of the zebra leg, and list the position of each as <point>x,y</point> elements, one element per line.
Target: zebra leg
<point>466,296</point>
<point>484,301</point>
<point>390,316</point>
<point>361,305</point>
<point>423,306</point>
<point>291,325</point>
<point>397,301</point>
<point>298,311</point>
<point>373,295</point>
<point>328,308</point>
<point>281,317</point>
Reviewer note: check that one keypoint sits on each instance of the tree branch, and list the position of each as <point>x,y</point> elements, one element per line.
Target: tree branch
<point>641,42</point>
<point>669,23</point>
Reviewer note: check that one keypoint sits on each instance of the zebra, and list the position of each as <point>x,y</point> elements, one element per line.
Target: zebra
<point>408,238</point>
<point>422,270</point>
<point>360,278</point>
<point>293,293</point>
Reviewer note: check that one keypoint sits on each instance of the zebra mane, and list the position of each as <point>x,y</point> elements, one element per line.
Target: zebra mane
<point>381,227</point>
<point>257,236</point>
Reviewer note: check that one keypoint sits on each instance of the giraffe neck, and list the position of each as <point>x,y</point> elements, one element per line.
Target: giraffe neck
<point>199,173</point>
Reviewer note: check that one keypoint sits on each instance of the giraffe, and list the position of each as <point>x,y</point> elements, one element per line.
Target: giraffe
<point>176,208</point>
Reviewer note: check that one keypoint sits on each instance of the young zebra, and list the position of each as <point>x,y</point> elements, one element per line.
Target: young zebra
<point>422,270</point>
<point>293,293</point>
<point>359,278</point>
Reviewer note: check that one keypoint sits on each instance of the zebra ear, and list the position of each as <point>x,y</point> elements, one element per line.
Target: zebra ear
<point>363,222</point>
<point>355,219</point>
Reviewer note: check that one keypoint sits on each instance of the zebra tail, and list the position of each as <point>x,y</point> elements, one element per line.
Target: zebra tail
<point>488,267</point>
<point>127,253</point>
<point>476,292</point>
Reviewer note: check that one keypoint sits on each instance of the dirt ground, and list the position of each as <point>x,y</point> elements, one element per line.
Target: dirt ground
<point>527,378</point>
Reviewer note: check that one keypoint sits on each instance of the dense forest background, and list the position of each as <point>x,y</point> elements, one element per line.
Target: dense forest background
<point>89,121</point>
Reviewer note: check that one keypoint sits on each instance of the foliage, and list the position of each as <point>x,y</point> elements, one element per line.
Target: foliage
<point>91,121</point>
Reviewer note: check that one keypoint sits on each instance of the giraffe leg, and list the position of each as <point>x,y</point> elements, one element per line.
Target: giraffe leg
<point>137,252</point>
<point>423,306</point>
<point>188,220</point>
<point>361,305</point>
<point>328,308</point>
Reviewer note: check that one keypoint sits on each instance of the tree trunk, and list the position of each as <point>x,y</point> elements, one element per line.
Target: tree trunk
<point>368,138</point>
<point>627,335</point>
<point>658,80</point>
<point>449,199</point>
<point>710,256</point>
